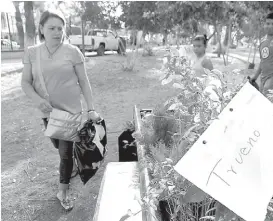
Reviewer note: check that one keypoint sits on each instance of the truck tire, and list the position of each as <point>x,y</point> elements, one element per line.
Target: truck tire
<point>101,50</point>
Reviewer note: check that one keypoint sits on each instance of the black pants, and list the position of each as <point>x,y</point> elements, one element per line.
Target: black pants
<point>66,157</point>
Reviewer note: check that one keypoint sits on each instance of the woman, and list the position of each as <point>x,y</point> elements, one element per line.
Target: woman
<point>201,60</point>
<point>63,69</point>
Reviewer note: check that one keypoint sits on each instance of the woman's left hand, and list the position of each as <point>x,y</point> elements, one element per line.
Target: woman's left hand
<point>94,116</point>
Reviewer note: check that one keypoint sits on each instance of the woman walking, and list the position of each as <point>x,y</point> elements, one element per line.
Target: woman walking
<point>63,70</point>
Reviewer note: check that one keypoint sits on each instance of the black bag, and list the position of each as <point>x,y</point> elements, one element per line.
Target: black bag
<point>127,147</point>
<point>253,83</point>
<point>88,152</point>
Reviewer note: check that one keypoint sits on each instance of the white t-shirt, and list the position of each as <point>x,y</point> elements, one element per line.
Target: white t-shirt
<point>59,75</point>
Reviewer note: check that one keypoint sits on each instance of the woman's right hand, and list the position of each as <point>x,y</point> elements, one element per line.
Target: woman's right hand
<point>45,106</point>
<point>94,116</point>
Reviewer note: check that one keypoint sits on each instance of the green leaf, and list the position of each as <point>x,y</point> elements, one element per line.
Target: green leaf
<point>269,208</point>
<point>212,209</point>
<point>175,106</point>
<point>187,133</point>
<point>179,86</point>
<point>192,137</point>
<point>223,213</point>
<point>207,71</point>
<point>220,211</point>
<point>124,218</point>
<point>206,218</point>
<point>197,118</point>
<point>194,195</point>
<point>166,81</point>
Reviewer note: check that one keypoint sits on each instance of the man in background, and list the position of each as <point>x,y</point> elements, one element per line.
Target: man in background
<point>265,69</point>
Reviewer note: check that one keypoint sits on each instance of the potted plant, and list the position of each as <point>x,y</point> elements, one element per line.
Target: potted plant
<point>169,132</point>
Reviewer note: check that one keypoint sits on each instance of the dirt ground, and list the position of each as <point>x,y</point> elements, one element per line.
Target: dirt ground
<point>30,163</point>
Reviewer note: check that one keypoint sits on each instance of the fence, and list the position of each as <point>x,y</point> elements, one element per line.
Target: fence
<point>7,45</point>
<point>9,34</point>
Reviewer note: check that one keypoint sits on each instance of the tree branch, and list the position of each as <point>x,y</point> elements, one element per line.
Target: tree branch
<point>212,35</point>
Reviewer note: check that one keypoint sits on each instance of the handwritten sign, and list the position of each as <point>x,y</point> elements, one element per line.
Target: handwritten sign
<point>233,159</point>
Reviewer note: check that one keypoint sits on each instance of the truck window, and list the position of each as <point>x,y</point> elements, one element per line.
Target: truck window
<point>100,34</point>
<point>76,30</point>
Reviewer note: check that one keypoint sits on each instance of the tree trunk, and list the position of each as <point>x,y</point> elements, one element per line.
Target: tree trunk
<point>225,43</point>
<point>142,39</point>
<point>249,54</point>
<point>255,45</point>
<point>177,40</point>
<point>212,35</point>
<point>134,39</point>
<point>19,24</point>
<point>83,33</point>
<point>214,39</point>
<point>255,50</point>
<point>10,37</point>
<point>165,36</point>
<point>30,25</point>
<point>229,37</point>
<point>219,48</point>
<point>70,23</point>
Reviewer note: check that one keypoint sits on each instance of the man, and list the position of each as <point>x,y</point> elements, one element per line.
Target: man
<point>265,68</point>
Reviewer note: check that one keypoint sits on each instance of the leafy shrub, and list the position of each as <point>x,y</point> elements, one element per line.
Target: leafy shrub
<point>131,61</point>
<point>173,128</point>
<point>270,95</point>
<point>148,50</point>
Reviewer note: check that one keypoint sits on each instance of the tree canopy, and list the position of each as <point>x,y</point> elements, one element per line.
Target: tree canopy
<point>182,18</point>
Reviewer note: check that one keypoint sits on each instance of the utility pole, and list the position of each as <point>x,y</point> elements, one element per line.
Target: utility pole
<point>70,31</point>
<point>9,31</point>
<point>83,33</point>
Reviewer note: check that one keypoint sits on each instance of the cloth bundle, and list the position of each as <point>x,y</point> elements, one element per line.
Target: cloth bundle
<point>90,151</point>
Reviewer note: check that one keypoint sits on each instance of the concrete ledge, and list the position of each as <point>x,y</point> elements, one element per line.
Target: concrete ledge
<point>119,191</point>
<point>144,177</point>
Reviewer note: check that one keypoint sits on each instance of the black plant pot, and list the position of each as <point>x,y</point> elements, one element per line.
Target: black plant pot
<point>251,66</point>
<point>165,210</point>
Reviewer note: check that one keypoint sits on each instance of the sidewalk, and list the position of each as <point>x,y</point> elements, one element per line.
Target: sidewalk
<point>11,66</point>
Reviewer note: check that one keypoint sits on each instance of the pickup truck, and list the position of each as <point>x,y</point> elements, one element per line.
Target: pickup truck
<point>99,40</point>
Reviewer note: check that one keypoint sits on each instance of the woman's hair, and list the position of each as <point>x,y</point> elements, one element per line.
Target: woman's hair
<point>201,38</point>
<point>47,15</point>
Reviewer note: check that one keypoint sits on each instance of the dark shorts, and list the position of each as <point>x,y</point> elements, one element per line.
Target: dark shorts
<point>266,84</point>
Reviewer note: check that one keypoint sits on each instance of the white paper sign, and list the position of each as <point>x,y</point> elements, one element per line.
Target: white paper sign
<point>233,159</point>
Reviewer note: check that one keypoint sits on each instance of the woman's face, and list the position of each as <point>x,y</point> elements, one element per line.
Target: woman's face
<point>199,47</point>
<point>53,30</point>
<point>269,26</point>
